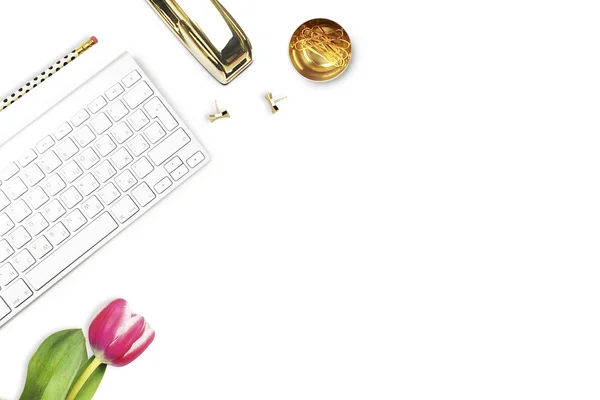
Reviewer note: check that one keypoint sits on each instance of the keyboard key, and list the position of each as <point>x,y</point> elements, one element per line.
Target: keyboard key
<point>23,261</point>
<point>125,181</point>
<point>138,120</point>
<point>114,92</point>
<point>104,171</point>
<point>163,185</point>
<point>169,147</point>
<point>9,171</point>
<point>19,211</point>
<point>40,248</point>
<point>80,118</point>
<point>6,224</point>
<point>63,131</point>
<point>124,209</point>
<point>54,185</point>
<point>7,275</point>
<point>179,173</point>
<point>121,158</point>
<point>97,105</point>
<point>50,162</point>
<point>138,94</point>
<point>71,197</point>
<point>27,158</point>
<point>138,145</point>
<point>57,234</point>
<point>67,149</point>
<point>84,136</point>
<point>53,211</point>
<point>122,132</point>
<point>173,164</point>
<point>132,78</point>
<point>117,111</point>
<point>88,158</point>
<point>92,207</point>
<point>15,188</point>
<point>156,109</point>
<point>72,251</point>
<point>142,168</point>
<point>45,144</point>
<point>75,221</point>
<point>37,224</point>
<point>17,294</point>
<point>71,171</point>
<point>196,159</point>
<point>33,175</point>
<point>4,309</point>
<point>101,123</point>
<point>37,197</point>
<point>105,145</point>
<point>88,184</point>
<point>109,194</point>
<point>155,132</point>
<point>19,237</point>
<point>4,201</point>
<point>143,194</point>
<point>5,250</point>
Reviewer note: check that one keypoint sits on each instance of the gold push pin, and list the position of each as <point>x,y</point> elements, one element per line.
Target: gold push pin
<point>273,103</point>
<point>219,114</point>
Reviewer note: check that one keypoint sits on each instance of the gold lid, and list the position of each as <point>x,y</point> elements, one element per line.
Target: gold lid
<point>225,64</point>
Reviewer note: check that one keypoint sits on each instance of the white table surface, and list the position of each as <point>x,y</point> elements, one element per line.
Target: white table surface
<point>425,227</point>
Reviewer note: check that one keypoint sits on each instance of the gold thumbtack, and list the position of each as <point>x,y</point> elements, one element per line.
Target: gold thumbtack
<point>219,114</point>
<point>273,103</point>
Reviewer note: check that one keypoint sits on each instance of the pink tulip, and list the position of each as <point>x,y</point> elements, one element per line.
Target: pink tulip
<point>117,336</point>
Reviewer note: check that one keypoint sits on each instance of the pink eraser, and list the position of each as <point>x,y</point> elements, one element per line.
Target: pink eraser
<point>94,39</point>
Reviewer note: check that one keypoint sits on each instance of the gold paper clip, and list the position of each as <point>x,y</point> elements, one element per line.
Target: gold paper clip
<point>226,64</point>
<point>273,102</point>
<point>219,115</point>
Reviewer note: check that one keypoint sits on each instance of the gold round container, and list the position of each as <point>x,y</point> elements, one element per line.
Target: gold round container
<point>320,50</point>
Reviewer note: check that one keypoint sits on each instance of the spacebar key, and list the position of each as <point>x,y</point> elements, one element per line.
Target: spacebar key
<point>72,251</point>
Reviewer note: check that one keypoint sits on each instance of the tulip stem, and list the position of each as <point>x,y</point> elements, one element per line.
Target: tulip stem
<point>96,362</point>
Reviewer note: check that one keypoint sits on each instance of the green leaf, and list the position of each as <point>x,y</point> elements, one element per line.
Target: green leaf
<point>91,385</point>
<point>54,366</point>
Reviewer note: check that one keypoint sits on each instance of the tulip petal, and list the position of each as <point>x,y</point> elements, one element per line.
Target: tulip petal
<point>137,349</point>
<point>129,332</point>
<point>105,326</point>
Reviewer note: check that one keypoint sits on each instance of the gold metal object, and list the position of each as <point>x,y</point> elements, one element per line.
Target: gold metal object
<point>320,50</point>
<point>219,114</point>
<point>273,102</point>
<point>225,64</point>
<point>88,44</point>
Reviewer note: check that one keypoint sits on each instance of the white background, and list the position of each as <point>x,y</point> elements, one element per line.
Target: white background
<point>425,227</point>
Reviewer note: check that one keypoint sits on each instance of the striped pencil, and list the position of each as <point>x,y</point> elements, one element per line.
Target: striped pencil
<point>32,84</point>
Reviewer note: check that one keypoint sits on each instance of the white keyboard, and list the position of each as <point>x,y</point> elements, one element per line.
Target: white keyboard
<point>81,173</point>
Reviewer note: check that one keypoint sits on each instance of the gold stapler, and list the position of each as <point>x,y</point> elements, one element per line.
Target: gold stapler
<point>225,64</point>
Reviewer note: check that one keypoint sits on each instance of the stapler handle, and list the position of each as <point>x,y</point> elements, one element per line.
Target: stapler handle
<point>225,64</point>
